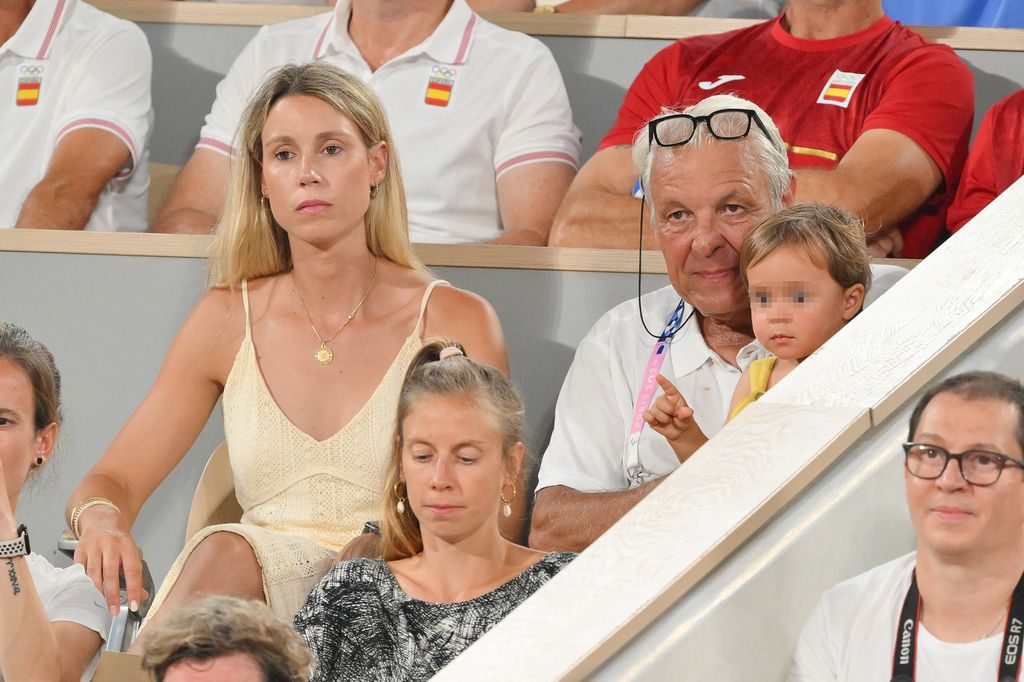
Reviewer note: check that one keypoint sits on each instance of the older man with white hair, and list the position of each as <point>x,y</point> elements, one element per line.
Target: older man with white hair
<point>711,174</point>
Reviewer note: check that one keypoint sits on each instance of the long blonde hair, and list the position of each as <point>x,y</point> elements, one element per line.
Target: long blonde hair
<point>428,375</point>
<point>249,243</point>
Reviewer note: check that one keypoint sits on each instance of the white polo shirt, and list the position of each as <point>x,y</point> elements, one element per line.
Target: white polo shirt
<point>71,66</point>
<point>589,449</point>
<point>467,104</point>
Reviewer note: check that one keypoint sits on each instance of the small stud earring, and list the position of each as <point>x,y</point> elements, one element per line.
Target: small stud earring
<point>39,461</point>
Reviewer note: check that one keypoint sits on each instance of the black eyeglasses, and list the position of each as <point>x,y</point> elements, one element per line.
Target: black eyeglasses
<point>978,467</point>
<point>725,124</point>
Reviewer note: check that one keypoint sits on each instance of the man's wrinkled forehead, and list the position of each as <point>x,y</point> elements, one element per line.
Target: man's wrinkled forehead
<point>726,164</point>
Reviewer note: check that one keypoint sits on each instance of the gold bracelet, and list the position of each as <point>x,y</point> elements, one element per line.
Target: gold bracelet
<point>76,515</point>
<point>545,9</point>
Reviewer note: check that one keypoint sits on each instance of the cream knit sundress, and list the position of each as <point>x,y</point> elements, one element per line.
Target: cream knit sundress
<point>302,499</point>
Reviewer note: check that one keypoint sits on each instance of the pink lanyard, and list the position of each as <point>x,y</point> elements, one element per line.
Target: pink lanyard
<point>648,385</point>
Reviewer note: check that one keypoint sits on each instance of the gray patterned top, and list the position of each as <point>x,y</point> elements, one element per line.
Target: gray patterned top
<point>360,625</point>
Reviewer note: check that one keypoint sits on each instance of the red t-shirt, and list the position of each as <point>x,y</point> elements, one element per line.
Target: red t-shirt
<point>995,162</point>
<point>822,94</point>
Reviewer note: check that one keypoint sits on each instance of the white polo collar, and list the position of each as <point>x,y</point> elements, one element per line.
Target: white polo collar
<point>450,43</point>
<point>36,34</point>
<point>690,352</point>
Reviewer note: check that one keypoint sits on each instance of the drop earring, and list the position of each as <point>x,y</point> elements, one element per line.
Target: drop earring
<point>506,504</point>
<point>400,504</point>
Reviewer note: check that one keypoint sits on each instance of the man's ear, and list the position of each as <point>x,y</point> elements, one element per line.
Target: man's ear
<point>853,301</point>
<point>789,198</point>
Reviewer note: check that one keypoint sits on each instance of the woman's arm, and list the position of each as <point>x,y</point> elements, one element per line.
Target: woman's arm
<point>32,648</point>
<point>152,442</point>
<point>469,319</point>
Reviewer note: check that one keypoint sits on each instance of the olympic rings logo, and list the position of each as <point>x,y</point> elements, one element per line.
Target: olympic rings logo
<point>31,70</point>
<point>442,71</point>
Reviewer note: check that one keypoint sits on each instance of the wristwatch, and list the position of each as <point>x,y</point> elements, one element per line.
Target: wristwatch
<point>19,547</point>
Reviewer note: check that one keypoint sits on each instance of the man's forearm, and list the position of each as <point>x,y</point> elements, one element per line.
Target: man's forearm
<point>598,219</point>
<point>52,206</point>
<point>185,221</point>
<point>568,520</point>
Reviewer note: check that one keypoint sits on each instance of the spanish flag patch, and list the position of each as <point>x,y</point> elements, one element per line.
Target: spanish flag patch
<point>439,85</point>
<point>439,92</point>
<point>839,89</point>
<point>28,92</point>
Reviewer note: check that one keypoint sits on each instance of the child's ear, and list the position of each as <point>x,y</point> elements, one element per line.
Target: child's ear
<point>853,301</point>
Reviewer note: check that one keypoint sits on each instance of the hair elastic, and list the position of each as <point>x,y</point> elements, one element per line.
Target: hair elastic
<point>449,351</point>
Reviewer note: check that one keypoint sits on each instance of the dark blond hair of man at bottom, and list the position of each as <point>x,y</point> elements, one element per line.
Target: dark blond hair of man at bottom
<point>227,640</point>
<point>953,610</point>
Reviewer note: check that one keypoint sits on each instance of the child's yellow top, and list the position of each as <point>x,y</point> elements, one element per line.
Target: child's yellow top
<point>760,373</point>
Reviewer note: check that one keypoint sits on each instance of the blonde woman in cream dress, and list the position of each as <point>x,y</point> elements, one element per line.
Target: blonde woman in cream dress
<point>317,305</point>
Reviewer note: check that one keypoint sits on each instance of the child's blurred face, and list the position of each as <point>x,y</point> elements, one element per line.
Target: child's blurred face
<point>795,305</point>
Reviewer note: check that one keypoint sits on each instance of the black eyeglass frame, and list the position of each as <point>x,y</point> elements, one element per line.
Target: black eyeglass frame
<point>652,127</point>
<point>959,457</point>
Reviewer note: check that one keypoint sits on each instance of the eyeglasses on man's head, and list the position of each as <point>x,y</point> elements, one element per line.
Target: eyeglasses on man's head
<point>674,130</point>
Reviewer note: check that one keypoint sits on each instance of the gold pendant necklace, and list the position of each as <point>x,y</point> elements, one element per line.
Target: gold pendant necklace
<point>324,354</point>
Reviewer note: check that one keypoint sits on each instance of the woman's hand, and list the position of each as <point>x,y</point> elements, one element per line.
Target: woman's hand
<point>106,551</point>
<point>673,418</point>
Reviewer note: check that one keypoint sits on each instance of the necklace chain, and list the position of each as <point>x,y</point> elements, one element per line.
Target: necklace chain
<point>324,354</point>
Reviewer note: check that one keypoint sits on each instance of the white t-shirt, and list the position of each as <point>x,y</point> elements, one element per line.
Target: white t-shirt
<point>67,594</point>
<point>851,636</point>
<point>467,104</point>
<point>589,449</point>
<point>71,66</point>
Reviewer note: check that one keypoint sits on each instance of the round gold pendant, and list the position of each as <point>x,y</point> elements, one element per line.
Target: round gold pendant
<point>324,354</point>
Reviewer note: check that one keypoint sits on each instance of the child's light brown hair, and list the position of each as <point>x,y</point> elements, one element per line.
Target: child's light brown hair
<point>832,238</point>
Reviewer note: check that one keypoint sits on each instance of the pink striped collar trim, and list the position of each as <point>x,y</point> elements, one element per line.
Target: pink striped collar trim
<point>58,13</point>
<point>467,36</point>
<point>37,32</point>
<point>319,49</point>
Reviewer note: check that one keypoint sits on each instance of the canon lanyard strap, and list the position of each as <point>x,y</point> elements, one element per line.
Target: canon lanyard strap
<point>648,385</point>
<point>904,657</point>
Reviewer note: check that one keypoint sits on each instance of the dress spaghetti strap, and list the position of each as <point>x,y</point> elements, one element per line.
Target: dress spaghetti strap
<point>245,305</point>
<point>418,332</point>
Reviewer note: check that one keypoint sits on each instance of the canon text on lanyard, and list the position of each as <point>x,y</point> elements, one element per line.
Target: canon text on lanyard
<point>648,385</point>
<point>904,657</point>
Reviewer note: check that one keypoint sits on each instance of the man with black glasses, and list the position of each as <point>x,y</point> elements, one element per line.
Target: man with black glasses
<point>875,119</point>
<point>954,609</point>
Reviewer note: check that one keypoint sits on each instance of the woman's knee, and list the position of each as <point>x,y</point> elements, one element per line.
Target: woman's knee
<point>225,554</point>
